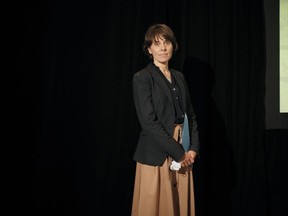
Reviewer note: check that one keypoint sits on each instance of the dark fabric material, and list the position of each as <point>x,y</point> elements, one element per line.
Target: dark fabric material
<point>176,96</point>
<point>276,148</point>
<point>156,114</point>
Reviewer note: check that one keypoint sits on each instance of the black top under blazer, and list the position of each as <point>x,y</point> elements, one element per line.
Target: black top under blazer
<point>156,114</point>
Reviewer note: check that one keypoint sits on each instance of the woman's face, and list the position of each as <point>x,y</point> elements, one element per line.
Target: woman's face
<point>161,50</point>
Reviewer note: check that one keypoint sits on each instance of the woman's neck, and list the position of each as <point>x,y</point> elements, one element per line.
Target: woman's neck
<point>163,67</point>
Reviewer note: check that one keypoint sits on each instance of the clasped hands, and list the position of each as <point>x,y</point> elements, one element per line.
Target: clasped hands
<point>188,158</point>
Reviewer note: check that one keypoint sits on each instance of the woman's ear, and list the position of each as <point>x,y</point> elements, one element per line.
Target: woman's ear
<point>149,50</point>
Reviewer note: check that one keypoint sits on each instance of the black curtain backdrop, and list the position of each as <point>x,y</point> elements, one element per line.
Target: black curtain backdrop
<point>77,59</point>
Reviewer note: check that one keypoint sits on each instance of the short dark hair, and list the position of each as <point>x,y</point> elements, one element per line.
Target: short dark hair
<point>159,30</point>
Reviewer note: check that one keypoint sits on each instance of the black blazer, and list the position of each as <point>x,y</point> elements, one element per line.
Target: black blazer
<point>156,114</point>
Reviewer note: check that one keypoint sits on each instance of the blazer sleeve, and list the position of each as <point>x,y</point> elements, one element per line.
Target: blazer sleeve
<point>193,125</point>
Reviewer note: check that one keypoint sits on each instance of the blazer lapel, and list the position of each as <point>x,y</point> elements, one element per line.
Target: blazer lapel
<point>157,77</point>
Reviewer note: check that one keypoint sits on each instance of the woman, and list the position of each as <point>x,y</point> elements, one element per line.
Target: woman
<point>165,150</point>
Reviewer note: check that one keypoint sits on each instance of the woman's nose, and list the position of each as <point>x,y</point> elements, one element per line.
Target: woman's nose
<point>163,47</point>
